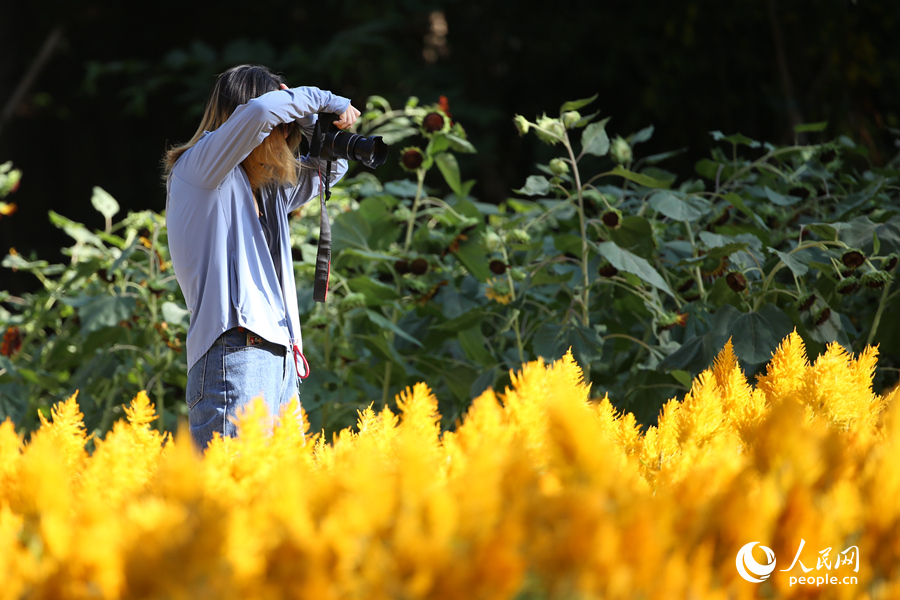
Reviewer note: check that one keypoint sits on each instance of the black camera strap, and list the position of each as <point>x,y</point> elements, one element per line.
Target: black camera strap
<point>323,255</point>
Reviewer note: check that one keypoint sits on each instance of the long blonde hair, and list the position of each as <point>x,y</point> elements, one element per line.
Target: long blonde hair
<point>272,162</point>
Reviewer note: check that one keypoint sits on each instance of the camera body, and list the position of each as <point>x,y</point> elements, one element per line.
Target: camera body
<point>331,143</point>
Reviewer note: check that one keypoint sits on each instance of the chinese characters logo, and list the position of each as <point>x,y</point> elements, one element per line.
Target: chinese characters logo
<point>754,572</point>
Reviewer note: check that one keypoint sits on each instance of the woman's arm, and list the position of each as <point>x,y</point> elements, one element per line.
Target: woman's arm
<point>217,153</point>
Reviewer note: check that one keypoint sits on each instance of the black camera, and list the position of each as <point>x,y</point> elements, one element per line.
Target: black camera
<point>331,143</point>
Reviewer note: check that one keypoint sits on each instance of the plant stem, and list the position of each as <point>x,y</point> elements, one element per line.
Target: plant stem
<point>512,292</point>
<point>586,283</point>
<point>411,221</point>
<point>395,316</point>
<point>698,275</point>
<point>877,320</point>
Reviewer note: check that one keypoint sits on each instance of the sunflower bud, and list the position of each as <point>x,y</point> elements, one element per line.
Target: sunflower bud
<point>401,266</point>
<point>612,218</point>
<point>875,279</point>
<point>559,166</point>
<point>822,316</point>
<point>522,124</point>
<point>434,121</point>
<point>419,266</point>
<point>890,261</point>
<point>847,285</point>
<point>492,241</point>
<point>353,300</point>
<point>620,151</point>
<point>412,158</point>
<point>670,320</point>
<point>517,274</point>
<point>736,281</point>
<point>806,302</point>
<point>318,321</point>
<point>518,236</point>
<point>550,130</point>
<point>569,118</point>
<point>607,270</point>
<point>497,267</point>
<point>853,259</point>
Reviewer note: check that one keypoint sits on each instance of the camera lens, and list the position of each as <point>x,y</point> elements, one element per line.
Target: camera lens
<point>369,151</point>
<point>334,143</point>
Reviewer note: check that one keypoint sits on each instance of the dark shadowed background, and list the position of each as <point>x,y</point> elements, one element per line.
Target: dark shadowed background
<point>92,92</point>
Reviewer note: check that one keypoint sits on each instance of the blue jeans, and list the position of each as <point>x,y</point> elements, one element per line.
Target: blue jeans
<point>230,375</point>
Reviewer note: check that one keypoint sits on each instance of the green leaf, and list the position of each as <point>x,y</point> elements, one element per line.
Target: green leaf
<point>595,140</point>
<point>471,253</point>
<point>679,207</point>
<point>798,262</point>
<point>861,231</point>
<point>736,138</point>
<point>484,382</point>
<point>585,120</point>
<point>379,346</point>
<point>403,188</point>
<point>738,202</point>
<point>658,158</point>
<point>76,231</point>
<point>634,234</point>
<point>438,144</point>
<point>576,104</point>
<point>638,178</point>
<point>104,202</point>
<point>535,185</point>
<point>126,253</point>
<point>460,144</point>
<point>472,342</point>
<point>551,342</point>
<point>449,168</point>
<point>781,199</point>
<point>105,311</point>
<point>624,260</point>
<point>376,292</point>
<point>826,231</point>
<point>810,127</point>
<point>467,320</point>
<point>641,136</point>
<point>755,335</point>
<point>386,323</point>
<point>350,230</point>
<point>174,314</point>
<point>831,330</point>
<point>17,262</point>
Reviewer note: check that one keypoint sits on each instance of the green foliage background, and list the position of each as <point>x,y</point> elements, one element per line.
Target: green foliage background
<point>643,272</point>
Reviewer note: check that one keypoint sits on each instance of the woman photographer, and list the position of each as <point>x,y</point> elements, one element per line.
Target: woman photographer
<point>230,190</point>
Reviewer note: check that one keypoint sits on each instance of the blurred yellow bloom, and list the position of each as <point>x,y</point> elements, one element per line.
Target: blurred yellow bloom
<point>541,491</point>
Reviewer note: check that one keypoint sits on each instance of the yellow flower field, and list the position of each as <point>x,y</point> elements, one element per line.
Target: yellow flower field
<point>539,493</point>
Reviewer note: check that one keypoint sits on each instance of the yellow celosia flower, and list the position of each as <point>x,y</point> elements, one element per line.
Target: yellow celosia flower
<point>539,492</point>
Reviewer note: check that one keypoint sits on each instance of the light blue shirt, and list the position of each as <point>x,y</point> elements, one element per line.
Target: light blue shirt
<point>222,262</point>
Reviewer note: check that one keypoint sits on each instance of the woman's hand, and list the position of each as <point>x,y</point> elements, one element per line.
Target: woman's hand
<point>348,117</point>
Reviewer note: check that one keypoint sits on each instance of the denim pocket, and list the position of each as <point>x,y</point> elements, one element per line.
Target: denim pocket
<point>196,381</point>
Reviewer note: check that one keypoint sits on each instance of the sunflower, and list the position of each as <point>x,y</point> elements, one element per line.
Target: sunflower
<point>498,290</point>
